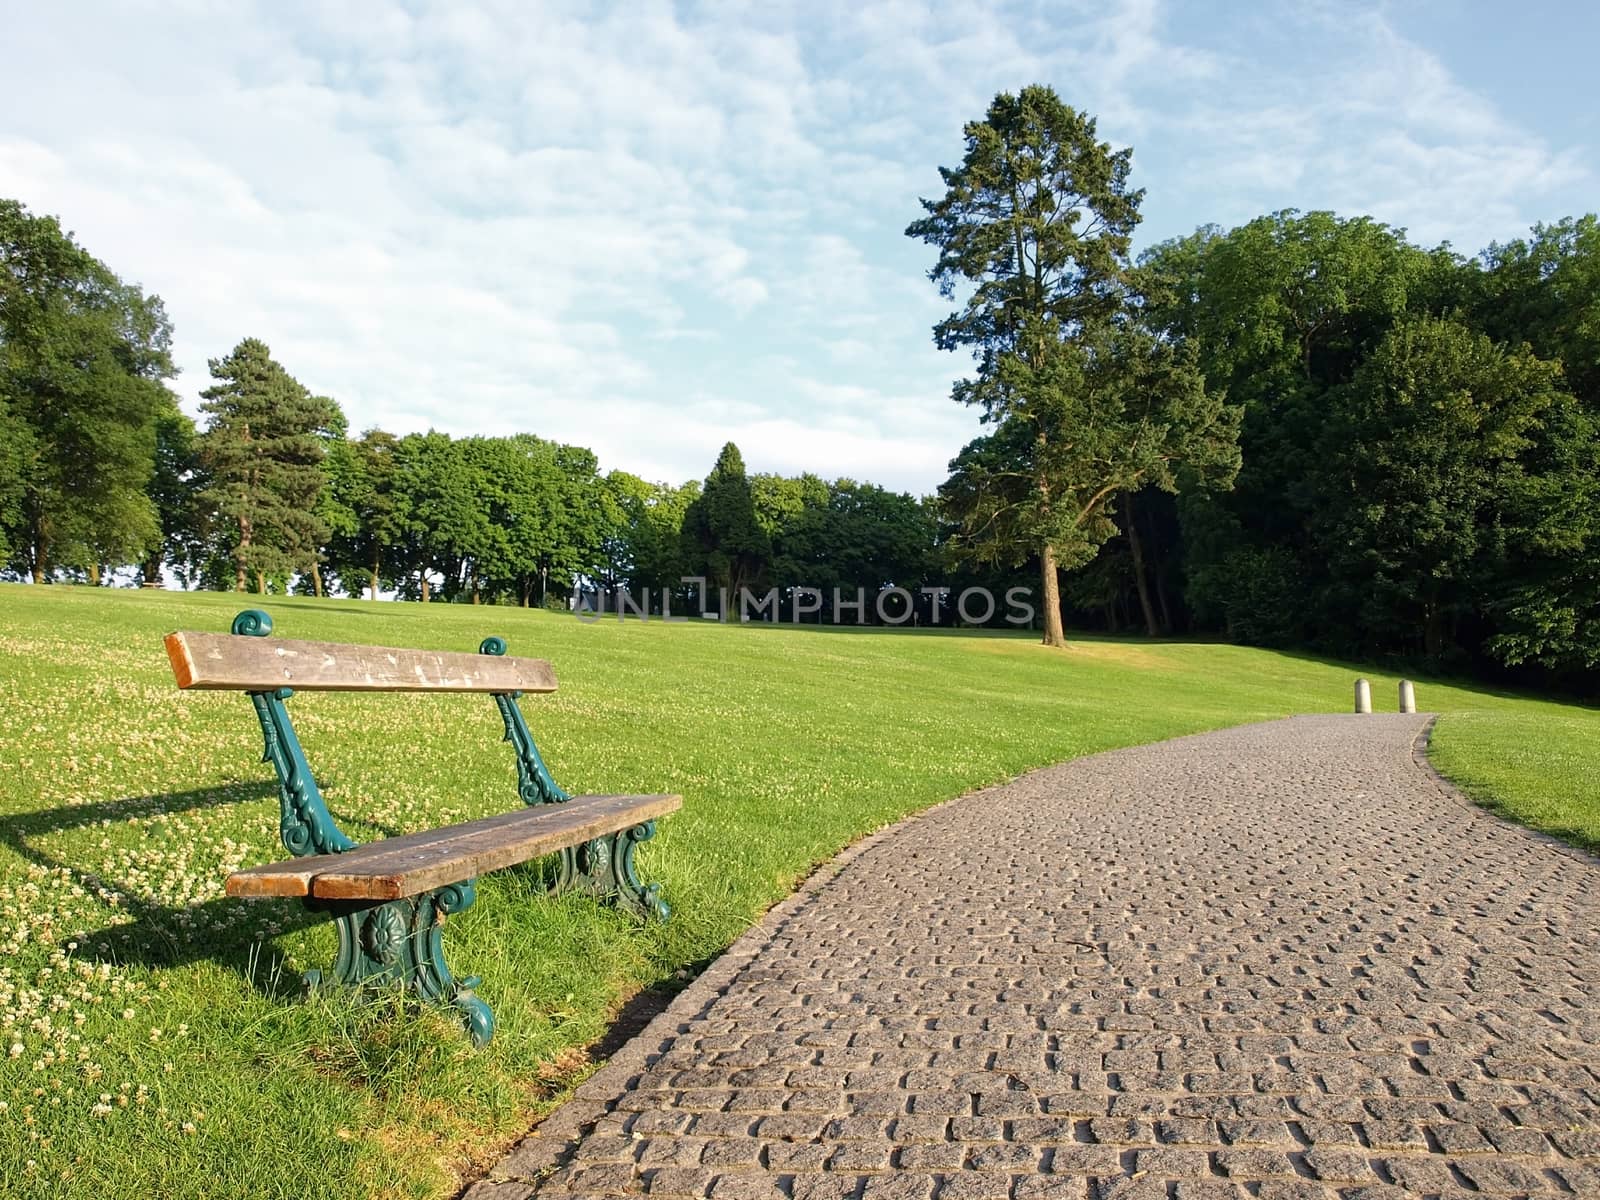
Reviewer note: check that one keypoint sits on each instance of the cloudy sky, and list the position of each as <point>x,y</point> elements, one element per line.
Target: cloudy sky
<point>651,228</point>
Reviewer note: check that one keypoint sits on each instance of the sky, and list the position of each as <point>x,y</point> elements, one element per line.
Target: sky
<point>652,228</point>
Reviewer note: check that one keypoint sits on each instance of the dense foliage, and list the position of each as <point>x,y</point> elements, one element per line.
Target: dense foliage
<point>1421,465</point>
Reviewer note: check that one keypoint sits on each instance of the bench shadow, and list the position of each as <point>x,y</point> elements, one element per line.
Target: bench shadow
<point>226,931</point>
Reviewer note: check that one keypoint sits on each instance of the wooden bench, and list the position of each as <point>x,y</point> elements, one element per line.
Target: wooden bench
<point>389,898</point>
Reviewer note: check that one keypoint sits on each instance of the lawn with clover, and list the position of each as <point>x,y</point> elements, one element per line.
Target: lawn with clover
<point>155,1038</point>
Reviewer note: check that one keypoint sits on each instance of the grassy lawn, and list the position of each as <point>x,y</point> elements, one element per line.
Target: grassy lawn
<point>151,1042</point>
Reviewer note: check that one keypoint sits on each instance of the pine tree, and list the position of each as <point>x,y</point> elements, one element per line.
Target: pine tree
<point>721,535</point>
<point>263,450</point>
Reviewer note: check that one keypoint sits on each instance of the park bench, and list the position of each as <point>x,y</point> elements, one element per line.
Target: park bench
<point>389,898</point>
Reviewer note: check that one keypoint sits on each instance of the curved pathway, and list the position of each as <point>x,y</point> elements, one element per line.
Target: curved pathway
<point>1281,961</point>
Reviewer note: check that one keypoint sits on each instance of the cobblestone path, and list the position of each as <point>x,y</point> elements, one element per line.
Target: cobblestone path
<point>1281,961</point>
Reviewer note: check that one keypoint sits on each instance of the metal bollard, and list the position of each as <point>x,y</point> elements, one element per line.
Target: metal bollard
<point>1408,697</point>
<point>1363,696</point>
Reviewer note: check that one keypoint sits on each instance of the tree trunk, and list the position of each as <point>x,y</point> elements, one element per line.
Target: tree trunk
<point>475,599</point>
<point>241,582</point>
<point>316,580</point>
<point>94,575</point>
<point>374,574</point>
<point>1161,599</point>
<point>527,590</point>
<point>424,576</point>
<point>1432,628</point>
<point>39,527</point>
<point>544,584</point>
<point>1053,633</point>
<point>1140,576</point>
<point>261,583</point>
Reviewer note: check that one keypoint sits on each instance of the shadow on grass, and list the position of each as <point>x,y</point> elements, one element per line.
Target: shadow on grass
<point>229,932</point>
<point>226,931</point>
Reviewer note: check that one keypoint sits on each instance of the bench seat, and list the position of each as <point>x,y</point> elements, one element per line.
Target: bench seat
<point>397,867</point>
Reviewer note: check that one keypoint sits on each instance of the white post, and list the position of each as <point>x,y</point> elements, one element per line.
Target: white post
<point>1363,696</point>
<point>1408,697</point>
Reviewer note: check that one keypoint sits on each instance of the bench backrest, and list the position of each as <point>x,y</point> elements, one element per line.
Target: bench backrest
<point>226,662</point>
<point>271,670</point>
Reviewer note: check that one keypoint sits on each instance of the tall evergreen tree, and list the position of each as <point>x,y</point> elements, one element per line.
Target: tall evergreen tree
<point>263,449</point>
<point>1035,224</point>
<point>722,537</point>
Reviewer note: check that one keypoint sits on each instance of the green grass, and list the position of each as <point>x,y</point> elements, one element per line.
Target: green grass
<point>125,974</point>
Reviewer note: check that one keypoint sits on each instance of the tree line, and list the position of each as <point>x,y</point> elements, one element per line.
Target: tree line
<point>100,470</point>
<point>1304,431</point>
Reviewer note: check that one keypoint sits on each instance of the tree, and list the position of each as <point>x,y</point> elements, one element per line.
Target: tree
<point>362,483</point>
<point>82,360</point>
<point>15,454</point>
<point>652,518</point>
<point>447,518</point>
<point>1279,312</point>
<point>263,450</point>
<point>522,488</point>
<point>174,490</point>
<point>722,537</point>
<point>1086,403</point>
<point>1545,290</point>
<point>1442,440</point>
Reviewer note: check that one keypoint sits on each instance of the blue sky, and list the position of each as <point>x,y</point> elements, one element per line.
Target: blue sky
<point>652,228</point>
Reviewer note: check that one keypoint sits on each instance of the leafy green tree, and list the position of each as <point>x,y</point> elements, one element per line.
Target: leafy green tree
<point>1277,313</point>
<point>1441,442</point>
<point>336,516</point>
<point>583,516</point>
<point>15,454</point>
<point>363,485</point>
<point>793,512</point>
<point>722,537</point>
<point>1545,290</point>
<point>521,487</point>
<point>263,450</point>
<point>625,499</point>
<point>447,519</point>
<point>651,519</point>
<point>175,491</point>
<point>82,360</point>
<point>1036,224</point>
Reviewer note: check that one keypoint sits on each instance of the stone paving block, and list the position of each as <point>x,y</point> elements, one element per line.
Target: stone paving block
<point>1281,962</point>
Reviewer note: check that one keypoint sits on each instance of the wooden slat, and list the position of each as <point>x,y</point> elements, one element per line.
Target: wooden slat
<point>293,876</point>
<point>228,662</point>
<point>404,866</point>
